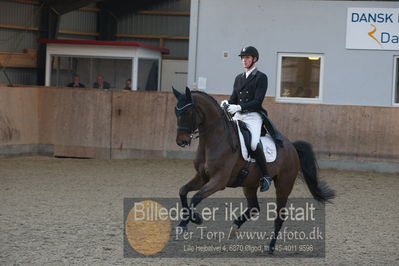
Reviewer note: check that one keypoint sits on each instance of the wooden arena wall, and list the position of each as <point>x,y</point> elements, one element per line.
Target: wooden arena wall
<point>19,128</point>
<point>91,123</point>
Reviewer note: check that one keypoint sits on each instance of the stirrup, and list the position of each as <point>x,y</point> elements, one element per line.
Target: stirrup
<point>265,184</point>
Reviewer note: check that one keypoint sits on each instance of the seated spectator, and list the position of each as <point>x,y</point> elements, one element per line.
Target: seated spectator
<point>101,83</point>
<point>75,82</point>
<point>128,85</point>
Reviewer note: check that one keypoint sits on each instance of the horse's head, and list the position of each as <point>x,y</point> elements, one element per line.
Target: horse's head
<point>186,117</point>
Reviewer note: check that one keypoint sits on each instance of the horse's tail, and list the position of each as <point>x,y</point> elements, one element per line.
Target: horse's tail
<point>319,189</point>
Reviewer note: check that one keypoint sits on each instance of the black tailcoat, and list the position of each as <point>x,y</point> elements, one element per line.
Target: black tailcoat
<point>249,92</point>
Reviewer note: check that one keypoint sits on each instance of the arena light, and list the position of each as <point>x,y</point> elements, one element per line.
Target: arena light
<point>313,58</point>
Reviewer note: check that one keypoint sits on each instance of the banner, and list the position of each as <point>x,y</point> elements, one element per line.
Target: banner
<point>151,229</point>
<point>372,28</point>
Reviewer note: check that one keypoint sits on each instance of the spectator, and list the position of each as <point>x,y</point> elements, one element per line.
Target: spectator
<point>75,82</point>
<point>128,85</point>
<point>101,83</point>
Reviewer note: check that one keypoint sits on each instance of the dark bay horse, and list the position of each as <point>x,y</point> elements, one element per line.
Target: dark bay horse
<point>218,164</point>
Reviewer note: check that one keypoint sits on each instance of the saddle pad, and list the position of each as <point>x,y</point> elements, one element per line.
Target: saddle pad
<point>269,148</point>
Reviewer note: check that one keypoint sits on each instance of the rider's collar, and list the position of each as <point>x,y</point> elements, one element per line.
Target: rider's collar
<point>252,71</point>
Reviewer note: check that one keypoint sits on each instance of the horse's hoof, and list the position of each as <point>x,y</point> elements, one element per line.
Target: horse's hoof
<point>271,250</point>
<point>272,247</point>
<point>197,219</point>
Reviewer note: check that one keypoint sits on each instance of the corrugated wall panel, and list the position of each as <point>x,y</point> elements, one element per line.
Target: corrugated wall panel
<point>17,40</point>
<point>154,25</point>
<point>19,14</point>
<point>26,76</point>
<point>173,5</point>
<point>165,25</point>
<point>84,21</point>
<point>178,48</point>
<point>25,14</point>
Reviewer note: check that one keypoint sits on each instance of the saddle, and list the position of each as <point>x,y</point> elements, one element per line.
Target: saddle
<point>244,135</point>
<point>270,142</point>
<point>267,127</point>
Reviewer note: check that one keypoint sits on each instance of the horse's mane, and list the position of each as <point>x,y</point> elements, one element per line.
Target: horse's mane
<point>206,95</point>
<point>225,120</point>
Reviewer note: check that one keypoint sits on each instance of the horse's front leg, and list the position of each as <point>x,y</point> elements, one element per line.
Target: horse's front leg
<point>194,184</point>
<point>216,182</point>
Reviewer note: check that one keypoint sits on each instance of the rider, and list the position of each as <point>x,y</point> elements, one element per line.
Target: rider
<point>245,104</point>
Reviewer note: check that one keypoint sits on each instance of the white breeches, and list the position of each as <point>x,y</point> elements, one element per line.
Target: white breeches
<point>254,124</point>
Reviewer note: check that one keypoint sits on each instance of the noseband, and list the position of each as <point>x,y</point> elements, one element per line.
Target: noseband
<point>195,123</point>
<point>179,112</point>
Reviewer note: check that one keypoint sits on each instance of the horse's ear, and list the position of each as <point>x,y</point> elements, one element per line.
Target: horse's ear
<point>176,93</point>
<point>188,95</point>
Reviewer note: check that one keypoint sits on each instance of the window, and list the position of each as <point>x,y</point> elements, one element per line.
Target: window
<point>299,78</point>
<point>396,81</point>
<point>114,72</point>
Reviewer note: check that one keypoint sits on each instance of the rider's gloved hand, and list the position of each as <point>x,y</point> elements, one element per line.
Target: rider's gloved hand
<point>233,108</point>
<point>224,102</point>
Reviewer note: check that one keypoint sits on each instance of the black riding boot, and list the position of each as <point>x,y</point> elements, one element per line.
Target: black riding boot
<point>261,160</point>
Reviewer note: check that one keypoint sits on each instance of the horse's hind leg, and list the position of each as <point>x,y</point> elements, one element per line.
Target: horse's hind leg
<point>278,223</point>
<point>252,207</point>
<point>284,185</point>
<point>194,184</point>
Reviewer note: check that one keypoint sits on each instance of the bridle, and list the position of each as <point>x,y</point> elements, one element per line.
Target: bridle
<point>193,130</point>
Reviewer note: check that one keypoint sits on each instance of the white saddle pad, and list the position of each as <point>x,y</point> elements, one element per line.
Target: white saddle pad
<point>269,148</point>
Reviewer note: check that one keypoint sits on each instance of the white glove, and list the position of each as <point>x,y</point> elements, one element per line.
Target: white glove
<point>233,108</point>
<point>224,102</point>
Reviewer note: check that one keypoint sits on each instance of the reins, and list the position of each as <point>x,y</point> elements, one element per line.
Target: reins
<point>226,120</point>
<point>194,131</point>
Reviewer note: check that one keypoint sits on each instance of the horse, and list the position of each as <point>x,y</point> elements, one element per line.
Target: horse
<point>218,162</point>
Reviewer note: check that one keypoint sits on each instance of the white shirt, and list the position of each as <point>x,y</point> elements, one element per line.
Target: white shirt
<point>247,73</point>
